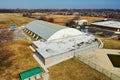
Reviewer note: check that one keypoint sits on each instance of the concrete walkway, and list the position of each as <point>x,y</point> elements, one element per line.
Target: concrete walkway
<point>100,58</point>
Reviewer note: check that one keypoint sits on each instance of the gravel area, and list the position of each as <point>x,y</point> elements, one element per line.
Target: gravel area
<point>18,33</point>
<point>14,34</point>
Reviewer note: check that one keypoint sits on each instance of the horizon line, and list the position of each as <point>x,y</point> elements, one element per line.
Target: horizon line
<point>63,8</point>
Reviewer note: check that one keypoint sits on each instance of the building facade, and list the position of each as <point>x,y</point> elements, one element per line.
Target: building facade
<point>108,25</point>
<point>58,43</point>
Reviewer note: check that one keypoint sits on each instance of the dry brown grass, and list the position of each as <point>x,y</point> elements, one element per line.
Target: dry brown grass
<point>62,19</point>
<point>65,19</point>
<point>111,44</point>
<point>61,16</point>
<point>8,19</point>
<point>91,19</point>
<point>20,60</point>
<point>73,69</point>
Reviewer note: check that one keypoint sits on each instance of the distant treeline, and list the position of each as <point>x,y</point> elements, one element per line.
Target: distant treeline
<point>109,13</point>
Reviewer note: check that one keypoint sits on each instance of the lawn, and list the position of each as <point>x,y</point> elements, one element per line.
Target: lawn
<point>111,43</point>
<point>74,69</point>
<point>15,57</point>
<point>91,19</point>
<point>8,19</point>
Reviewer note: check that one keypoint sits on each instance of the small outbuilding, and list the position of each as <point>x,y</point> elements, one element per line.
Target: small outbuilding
<point>81,22</point>
<point>31,74</point>
<point>12,27</point>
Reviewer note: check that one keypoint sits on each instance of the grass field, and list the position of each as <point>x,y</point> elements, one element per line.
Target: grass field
<point>91,19</point>
<point>73,69</point>
<point>65,19</point>
<point>58,18</point>
<point>8,19</point>
<point>62,19</point>
<point>111,44</point>
<point>15,58</point>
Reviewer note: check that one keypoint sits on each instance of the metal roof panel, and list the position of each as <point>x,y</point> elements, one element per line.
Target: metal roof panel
<point>43,29</point>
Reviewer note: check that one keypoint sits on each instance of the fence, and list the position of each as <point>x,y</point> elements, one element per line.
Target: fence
<point>99,68</point>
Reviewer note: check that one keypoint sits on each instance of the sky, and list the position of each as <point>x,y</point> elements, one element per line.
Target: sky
<point>60,4</point>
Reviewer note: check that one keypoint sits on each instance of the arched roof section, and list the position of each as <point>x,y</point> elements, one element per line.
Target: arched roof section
<point>64,33</point>
<point>44,29</point>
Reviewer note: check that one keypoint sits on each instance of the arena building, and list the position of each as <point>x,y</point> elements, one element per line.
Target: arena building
<point>56,43</point>
<point>113,26</point>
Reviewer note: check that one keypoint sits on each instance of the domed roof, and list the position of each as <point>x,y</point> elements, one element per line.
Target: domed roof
<point>50,31</point>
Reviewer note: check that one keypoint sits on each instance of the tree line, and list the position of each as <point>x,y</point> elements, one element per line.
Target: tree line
<point>108,13</point>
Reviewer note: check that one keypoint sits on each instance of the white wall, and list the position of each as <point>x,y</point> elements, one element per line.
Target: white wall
<point>58,58</point>
<point>64,56</point>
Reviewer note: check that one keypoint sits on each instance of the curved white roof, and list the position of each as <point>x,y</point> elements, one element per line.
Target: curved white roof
<point>111,24</point>
<point>64,33</point>
<point>50,31</point>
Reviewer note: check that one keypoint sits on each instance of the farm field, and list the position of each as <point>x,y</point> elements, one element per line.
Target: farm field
<point>8,19</point>
<point>15,57</point>
<point>73,69</point>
